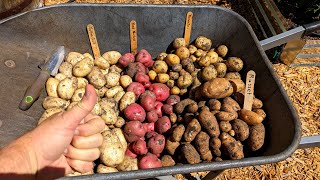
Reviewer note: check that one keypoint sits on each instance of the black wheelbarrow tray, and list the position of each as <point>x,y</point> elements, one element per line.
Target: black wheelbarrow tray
<point>28,39</point>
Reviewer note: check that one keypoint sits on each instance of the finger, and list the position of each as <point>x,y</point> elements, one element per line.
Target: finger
<point>94,126</point>
<point>80,166</point>
<point>76,114</point>
<point>82,154</point>
<point>88,142</point>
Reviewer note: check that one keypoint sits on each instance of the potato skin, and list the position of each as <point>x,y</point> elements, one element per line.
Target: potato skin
<point>74,57</point>
<point>182,52</point>
<point>222,50</point>
<point>192,129</point>
<point>241,129</point>
<point>67,87</point>
<point>217,88</point>
<point>105,169</point>
<point>232,148</point>
<point>127,99</point>
<point>208,73</point>
<point>172,59</point>
<point>128,164</point>
<point>83,67</point>
<point>112,57</point>
<point>167,160</point>
<point>209,123</point>
<point>96,78</point>
<point>190,153</point>
<point>177,133</point>
<point>226,116</point>
<point>203,43</point>
<point>221,69</point>
<point>179,42</point>
<point>66,69</point>
<point>260,112</point>
<point>78,94</point>
<point>171,146</point>
<point>52,86</point>
<point>112,79</point>
<point>232,75</point>
<point>215,143</point>
<point>234,64</point>
<point>202,146</point>
<point>230,105</point>
<point>108,114</point>
<point>214,105</point>
<point>82,82</point>
<point>125,81</point>
<point>250,117</point>
<point>160,67</point>
<point>238,85</point>
<point>256,137</point>
<point>184,81</point>
<point>257,103</point>
<point>225,126</point>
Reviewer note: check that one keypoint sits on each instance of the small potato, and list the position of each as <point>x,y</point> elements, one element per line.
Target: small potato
<point>190,153</point>
<point>115,68</point>
<point>238,85</point>
<point>190,68</point>
<point>233,75</point>
<point>177,133</point>
<point>78,94</point>
<point>192,129</point>
<point>74,57</point>
<point>67,87</point>
<point>222,50</point>
<point>176,67</point>
<point>213,57</point>
<point>192,49</point>
<point>120,122</point>
<point>82,82</point>
<point>250,117</point>
<point>183,52</point>
<point>127,99</point>
<point>167,160</point>
<point>193,58</point>
<point>152,75</point>
<point>125,81</point>
<point>184,81</point>
<point>204,61</point>
<point>48,113</point>
<point>260,112</point>
<point>101,92</point>
<point>221,69</point>
<point>162,78</point>
<point>102,63</point>
<point>215,143</point>
<point>54,102</point>
<point>161,56</point>
<point>225,126</point>
<point>112,79</point>
<point>201,143</point>
<point>172,59</point>
<point>241,129</point>
<point>96,109</point>
<point>203,43</point>
<point>119,95</point>
<point>129,164</point>
<point>66,69</point>
<point>257,103</point>
<point>256,137</point>
<point>87,55</point>
<point>214,105</point>
<point>96,78</point>
<point>83,67</point>
<point>208,73</point>
<point>175,90</point>
<point>174,75</point>
<point>234,64</point>
<point>179,42</point>
<point>108,114</point>
<point>226,116</point>
<point>110,93</point>
<point>171,146</point>
<point>51,87</point>
<point>199,53</point>
<point>60,76</point>
<point>105,169</point>
<point>112,57</point>
<point>160,67</point>
<point>170,83</point>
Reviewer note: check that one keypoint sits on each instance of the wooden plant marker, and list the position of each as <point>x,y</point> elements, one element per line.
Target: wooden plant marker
<point>188,27</point>
<point>133,37</point>
<point>249,91</point>
<point>93,41</point>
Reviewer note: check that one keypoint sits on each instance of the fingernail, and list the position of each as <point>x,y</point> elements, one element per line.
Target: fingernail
<point>76,132</point>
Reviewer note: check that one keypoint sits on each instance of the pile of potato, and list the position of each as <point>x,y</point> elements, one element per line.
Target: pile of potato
<point>183,107</point>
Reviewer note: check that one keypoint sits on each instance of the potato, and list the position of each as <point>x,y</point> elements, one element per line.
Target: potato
<point>199,53</point>
<point>115,68</point>
<point>161,56</point>
<point>162,78</point>
<point>101,92</point>
<point>192,129</point>
<point>226,116</point>
<point>52,86</point>
<point>170,83</point>
<point>74,57</point>
<point>174,75</point>
<point>190,154</point>
<point>167,160</point>
<point>221,69</point>
<point>230,105</point>
<point>209,123</point>
<point>232,75</point>
<point>208,73</point>
<point>182,52</point>
<point>241,129</point>
<point>67,87</point>
<point>108,114</point>
<point>110,93</point>
<point>217,88</point>
<point>172,59</point>
<point>83,67</point>
<point>251,118</point>
<point>96,78</point>
<point>160,67</point>
<point>222,50</point>
<point>215,143</point>
<point>125,81</point>
<point>120,122</point>
<point>203,43</point>
<point>112,57</point>
<point>176,67</point>
<point>225,126</point>
<point>112,79</point>
<point>213,57</point>
<point>49,112</point>
<point>231,147</point>
<point>87,55</point>
<point>260,112</point>
<point>238,85</point>
<point>96,109</point>
<point>202,146</point>
<point>184,81</point>
<point>119,95</point>
<point>129,163</point>
<point>152,75</point>
<point>177,133</point>
<point>192,49</point>
<point>179,42</point>
<point>193,58</point>
<point>181,106</point>
<point>66,69</point>
<point>127,99</point>
<point>175,90</point>
<point>112,151</point>
<point>78,94</point>
<point>256,137</point>
<point>118,132</point>
<point>234,64</point>
<point>204,61</point>
<point>214,105</point>
<point>105,169</point>
<point>54,102</point>
<point>82,82</point>
<point>257,103</point>
<point>60,76</point>
<point>171,146</point>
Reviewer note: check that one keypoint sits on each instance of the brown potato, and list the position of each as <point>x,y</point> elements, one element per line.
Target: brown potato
<point>238,85</point>
<point>214,105</point>
<point>180,106</point>
<point>202,146</point>
<point>230,105</point>
<point>192,49</point>
<point>177,133</point>
<point>251,118</point>
<point>190,154</point>
<point>226,116</point>
<point>170,83</point>
<point>221,69</point>
<point>179,42</point>
<point>162,56</point>
<point>231,147</point>
<point>225,126</point>
<point>257,103</point>
<point>209,122</point>
<point>176,67</point>
<point>208,73</point>
<point>203,43</point>
<point>256,137</point>
<point>173,118</point>
<point>241,129</point>
<point>184,81</point>
<point>234,64</point>
<point>215,143</point>
<point>167,160</point>
<point>222,50</point>
<point>217,88</point>
<point>232,75</point>
<point>171,146</point>
<point>213,57</point>
<point>174,75</point>
<point>260,112</point>
<point>193,128</point>
<point>182,52</point>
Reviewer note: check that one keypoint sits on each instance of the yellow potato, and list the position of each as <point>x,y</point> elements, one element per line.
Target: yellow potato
<point>119,95</point>
<point>213,57</point>
<point>108,114</point>
<point>83,67</point>
<point>172,59</point>
<point>199,53</point>
<point>48,113</point>
<point>221,69</point>
<point>170,83</point>
<point>115,68</point>
<point>54,102</point>
<point>183,52</point>
<point>102,63</point>
<point>175,90</point>
<point>162,78</point>
<point>105,169</point>
<point>112,57</point>
<point>74,57</point>
<point>78,95</point>
<point>112,79</point>
<point>120,122</point>
<point>60,76</point>
<point>179,42</point>
<point>52,86</point>
<point>129,163</point>
<point>67,87</point>
<point>87,55</point>
<point>125,81</point>
<point>96,109</point>
<point>110,93</point>
<point>204,61</point>
<point>222,50</point>
<point>160,66</point>
<point>152,75</point>
<point>208,73</point>
<point>184,81</point>
<point>217,88</point>
<point>161,56</point>
<point>192,49</point>
<point>193,58</point>
<point>82,83</point>
<point>66,69</point>
<point>233,75</point>
<point>118,132</point>
<point>203,43</point>
<point>234,64</point>
<point>96,78</point>
<point>127,99</point>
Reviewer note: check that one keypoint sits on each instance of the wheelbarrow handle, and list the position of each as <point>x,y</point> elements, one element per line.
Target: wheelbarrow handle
<point>311,27</point>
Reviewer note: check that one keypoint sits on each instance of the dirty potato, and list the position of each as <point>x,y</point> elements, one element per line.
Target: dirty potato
<point>222,50</point>
<point>66,69</point>
<point>96,78</point>
<point>54,102</point>
<point>67,87</point>
<point>125,81</point>
<point>112,57</point>
<point>82,82</point>
<point>221,69</point>
<point>52,86</point>
<point>179,42</point>
<point>78,95</point>
<point>190,154</point>
<point>208,73</point>
<point>74,57</point>
<point>234,64</point>
<point>60,76</point>
<point>241,129</point>
<point>203,43</point>
<point>182,52</point>
<point>112,79</point>
<point>127,99</point>
<point>83,67</point>
<point>217,88</point>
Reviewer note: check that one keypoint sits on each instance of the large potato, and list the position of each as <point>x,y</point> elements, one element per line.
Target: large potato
<point>213,57</point>
<point>54,102</point>
<point>74,57</point>
<point>112,57</point>
<point>67,87</point>
<point>127,99</point>
<point>83,67</point>
<point>49,112</point>
<point>129,163</point>
<point>112,79</point>
<point>217,88</point>
<point>52,86</point>
<point>78,95</point>
<point>82,83</point>
<point>96,78</point>
<point>66,69</point>
<point>102,63</point>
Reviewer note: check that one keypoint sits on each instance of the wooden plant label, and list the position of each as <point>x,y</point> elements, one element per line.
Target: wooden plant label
<point>188,27</point>
<point>249,91</point>
<point>133,37</point>
<point>93,41</point>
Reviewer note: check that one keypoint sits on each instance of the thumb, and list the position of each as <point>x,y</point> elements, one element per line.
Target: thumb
<point>73,117</point>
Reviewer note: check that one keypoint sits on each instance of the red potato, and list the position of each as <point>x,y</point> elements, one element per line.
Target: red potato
<point>147,100</point>
<point>141,78</point>
<point>151,134</point>
<point>126,59</point>
<point>145,58</point>
<point>158,106</point>
<point>133,68</point>
<point>129,152</point>
<point>149,161</point>
<point>137,88</point>
<point>156,144</point>
<point>173,99</point>
<point>134,112</point>
<point>139,147</point>
<point>163,125</point>
<point>152,116</point>
<point>147,84</point>
<point>148,126</point>
<point>133,131</point>
<point>167,109</point>
<point>161,91</point>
